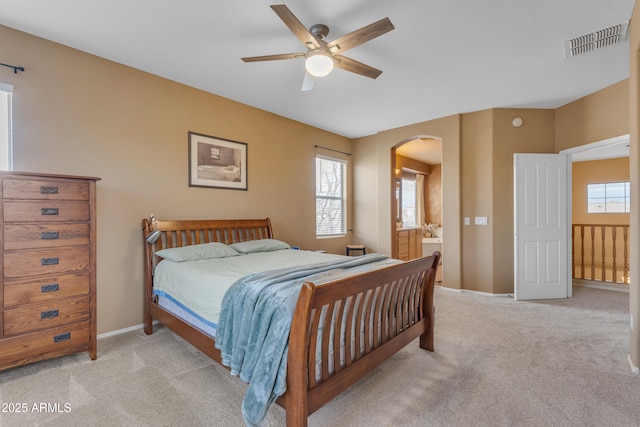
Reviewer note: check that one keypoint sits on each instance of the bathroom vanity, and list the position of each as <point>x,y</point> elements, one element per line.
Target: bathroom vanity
<point>429,246</point>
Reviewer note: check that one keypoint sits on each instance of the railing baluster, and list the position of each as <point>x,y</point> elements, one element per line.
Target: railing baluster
<point>613,253</point>
<point>625,270</point>
<point>582,251</point>
<point>573,251</point>
<point>603,230</point>
<point>593,253</point>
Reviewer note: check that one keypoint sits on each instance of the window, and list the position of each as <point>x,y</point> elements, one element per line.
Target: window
<point>609,197</point>
<point>331,197</point>
<point>6,148</point>
<point>408,203</point>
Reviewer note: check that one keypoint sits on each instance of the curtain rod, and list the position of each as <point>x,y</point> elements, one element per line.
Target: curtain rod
<point>15,69</point>
<point>331,149</point>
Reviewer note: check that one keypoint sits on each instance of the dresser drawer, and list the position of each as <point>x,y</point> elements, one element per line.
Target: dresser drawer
<point>47,315</point>
<point>34,236</point>
<point>53,211</point>
<point>19,292</point>
<point>32,189</point>
<point>45,344</point>
<point>45,262</point>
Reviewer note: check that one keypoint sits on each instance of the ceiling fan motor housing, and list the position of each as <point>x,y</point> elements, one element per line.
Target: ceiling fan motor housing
<point>319,31</point>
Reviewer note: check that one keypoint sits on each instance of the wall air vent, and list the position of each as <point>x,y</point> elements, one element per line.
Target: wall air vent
<point>596,40</point>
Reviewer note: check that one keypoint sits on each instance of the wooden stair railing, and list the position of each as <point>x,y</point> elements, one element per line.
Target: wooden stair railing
<point>595,252</point>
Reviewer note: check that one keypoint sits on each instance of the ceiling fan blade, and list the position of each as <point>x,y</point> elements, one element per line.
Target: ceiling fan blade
<point>363,35</point>
<point>308,82</point>
<point>296,27</point>
<point>272,57</point>
<point>354,66</point>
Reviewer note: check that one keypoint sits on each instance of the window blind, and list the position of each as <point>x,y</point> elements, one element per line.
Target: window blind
<point>331,210</point>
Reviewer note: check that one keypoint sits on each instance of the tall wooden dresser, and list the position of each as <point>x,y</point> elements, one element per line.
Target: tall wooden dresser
<point>48,267</point>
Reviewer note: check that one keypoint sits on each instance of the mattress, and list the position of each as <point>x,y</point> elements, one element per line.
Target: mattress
<point>193,290</point>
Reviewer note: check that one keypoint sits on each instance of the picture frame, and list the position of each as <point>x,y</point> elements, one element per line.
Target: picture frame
<point>217,162</point>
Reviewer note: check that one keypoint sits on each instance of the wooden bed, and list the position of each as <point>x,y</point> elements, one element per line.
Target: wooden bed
<point>399,298</point>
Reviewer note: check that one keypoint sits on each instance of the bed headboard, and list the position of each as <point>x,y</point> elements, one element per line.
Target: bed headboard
<point>178,233</point>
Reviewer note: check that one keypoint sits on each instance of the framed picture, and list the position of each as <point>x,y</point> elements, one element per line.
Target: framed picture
<point>217,162</point>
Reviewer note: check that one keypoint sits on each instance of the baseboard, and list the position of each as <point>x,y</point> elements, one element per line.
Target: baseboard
<point>449,289</point>
<point>123,331</point>
<point>487,294</point>
<point>634,369</point>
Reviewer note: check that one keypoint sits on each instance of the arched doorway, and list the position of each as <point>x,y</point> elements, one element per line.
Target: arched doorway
<point>416,193</point>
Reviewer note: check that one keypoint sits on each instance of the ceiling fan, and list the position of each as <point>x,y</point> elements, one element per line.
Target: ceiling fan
<point>322,56</point>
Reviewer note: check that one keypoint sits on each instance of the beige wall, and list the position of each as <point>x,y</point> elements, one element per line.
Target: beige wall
<point>536,135</point>
<point>78,114</point>
<point>477,171</point>
<point>367,195</point>
<point>477,175</point>
<point>489,141</point>
<point>477,194</point>
<point>599,116</point>
<point>610,170</point>
<point>373,188</point>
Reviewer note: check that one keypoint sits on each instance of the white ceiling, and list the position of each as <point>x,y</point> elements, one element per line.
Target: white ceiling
<point>444,56</point>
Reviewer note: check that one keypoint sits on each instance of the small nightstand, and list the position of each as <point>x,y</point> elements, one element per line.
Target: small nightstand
<point>358,248</point>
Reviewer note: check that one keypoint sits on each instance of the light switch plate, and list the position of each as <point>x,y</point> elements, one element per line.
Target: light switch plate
<point>467,220</point>
<point>481,220</point>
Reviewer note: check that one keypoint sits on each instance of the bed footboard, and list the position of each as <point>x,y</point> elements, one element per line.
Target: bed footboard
<point>344,329</point>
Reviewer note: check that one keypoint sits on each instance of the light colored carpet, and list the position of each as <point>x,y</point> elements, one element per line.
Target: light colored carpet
<point>497,362</point>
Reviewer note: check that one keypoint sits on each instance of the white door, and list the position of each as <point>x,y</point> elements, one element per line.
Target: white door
<point>542,215</point>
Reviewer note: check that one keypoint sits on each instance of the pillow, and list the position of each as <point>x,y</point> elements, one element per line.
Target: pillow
<point>262,245</point>
<point>196,252</point>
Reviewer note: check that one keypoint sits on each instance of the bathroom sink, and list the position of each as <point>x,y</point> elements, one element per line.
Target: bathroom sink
<point>432,240</point>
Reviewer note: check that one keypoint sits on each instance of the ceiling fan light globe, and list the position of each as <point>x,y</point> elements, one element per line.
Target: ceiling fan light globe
<point>319,64</point>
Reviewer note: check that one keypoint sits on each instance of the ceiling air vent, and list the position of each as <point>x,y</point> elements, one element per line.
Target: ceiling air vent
<point>596,40</point>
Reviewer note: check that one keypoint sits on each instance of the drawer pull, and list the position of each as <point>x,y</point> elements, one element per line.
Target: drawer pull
<point>62,337</point>
<point>51,287</point>
<point>50,261</point>
<point>49,235</point>
<point>49,189</point>
<point>49,314</point>
<point>49,211</point>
